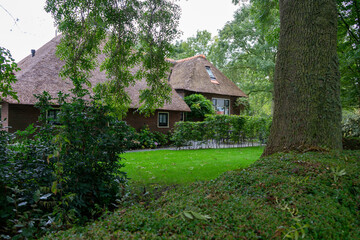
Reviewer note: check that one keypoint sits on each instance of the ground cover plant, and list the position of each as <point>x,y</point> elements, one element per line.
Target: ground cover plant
<point>310,195</point>
<point>185,166</point>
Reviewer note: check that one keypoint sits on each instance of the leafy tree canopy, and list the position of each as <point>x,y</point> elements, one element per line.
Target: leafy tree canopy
<point>128,38</point>
<point>7,69</point>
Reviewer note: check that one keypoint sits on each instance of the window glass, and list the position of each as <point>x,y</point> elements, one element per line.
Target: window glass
<point>212,76</point>
<point>52,116</point>
<point>222,106</point>
<point>163,119</point>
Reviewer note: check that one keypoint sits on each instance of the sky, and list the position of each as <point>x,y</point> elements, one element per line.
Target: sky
<point>34,27</point>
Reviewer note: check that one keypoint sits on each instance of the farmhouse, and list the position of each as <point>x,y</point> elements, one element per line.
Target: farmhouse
<point>40,72</point>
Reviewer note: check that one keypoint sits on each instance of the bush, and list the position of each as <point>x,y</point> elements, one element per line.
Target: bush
<point>351,143</point>
<point>26,176</point>
<point>147,139</point>
<point>351,124</point>
<point>56,175</point>
<point>220,128</point>
<point>199,105</point>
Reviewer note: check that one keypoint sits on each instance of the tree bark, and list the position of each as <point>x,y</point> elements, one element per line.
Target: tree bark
<point>307,108</point>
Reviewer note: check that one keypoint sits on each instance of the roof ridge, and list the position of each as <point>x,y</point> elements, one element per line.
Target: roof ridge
<point>186,59</point>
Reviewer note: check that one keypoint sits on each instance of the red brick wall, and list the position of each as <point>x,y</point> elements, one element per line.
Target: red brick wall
<point>234,110</point>
<point>138,121</point>
<point>20,116</point>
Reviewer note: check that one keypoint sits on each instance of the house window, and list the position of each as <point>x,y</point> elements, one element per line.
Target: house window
<point>163,119</point>
<point>52,116</point>
<point>221,105</point>
<point>212,76</point>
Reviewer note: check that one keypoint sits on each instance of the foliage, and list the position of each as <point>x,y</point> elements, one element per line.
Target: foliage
<point>147,139</point>
<point>86,164</point>
<point>220,128</point>
<point>349,51</point>
<point>125,34</point>
<point>351,143</point>
<point>199,105</point>
<point>8,67</point>
<point>26,177</point>
<point>259,202</point>
<point>53,176</point>
<point>351,124</point>
<point>202,43</point>
<point>249,48</point>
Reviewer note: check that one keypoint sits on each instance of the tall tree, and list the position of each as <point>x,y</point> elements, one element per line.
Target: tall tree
<point>250,50</point>
<point>7,69</point>
<point>199,44</point>
<point>349,51</point>
<point>307,110</point>
<point>131,36</point>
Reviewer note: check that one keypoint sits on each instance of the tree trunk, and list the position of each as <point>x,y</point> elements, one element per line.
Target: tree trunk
<point>307,108</point>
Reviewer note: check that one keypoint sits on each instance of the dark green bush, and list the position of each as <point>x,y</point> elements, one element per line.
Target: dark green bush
<point>351,143</point>
<point>199,105</point>
<point>56,175</point>
<point>26,176</point>
<point>87,165</point>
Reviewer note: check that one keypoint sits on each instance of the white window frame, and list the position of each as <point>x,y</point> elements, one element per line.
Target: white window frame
<point>224,102</point>
<point>158,120</point>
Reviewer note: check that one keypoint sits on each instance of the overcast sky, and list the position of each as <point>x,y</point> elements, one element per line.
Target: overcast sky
<point>35,27</point>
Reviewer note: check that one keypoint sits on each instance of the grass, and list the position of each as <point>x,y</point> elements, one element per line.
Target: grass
<point>281,196</point>
<point>186,166</point>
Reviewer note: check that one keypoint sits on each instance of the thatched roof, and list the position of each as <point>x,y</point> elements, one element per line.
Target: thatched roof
<point>191,74</point>
<point>41,73</point>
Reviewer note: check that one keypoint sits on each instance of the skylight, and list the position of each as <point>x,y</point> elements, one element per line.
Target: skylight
<point>212,76</point>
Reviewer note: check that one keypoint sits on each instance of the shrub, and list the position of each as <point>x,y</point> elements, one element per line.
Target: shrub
<point>220,128</point>
<point>199,105</point>
<point>26,177</point>
<point>86,162</point>
<point>56,175</point>
<point>351,143</point>
<point>351,124</point>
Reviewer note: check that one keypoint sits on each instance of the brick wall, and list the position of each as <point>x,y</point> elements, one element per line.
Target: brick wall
<point>138,121</point>
<point>20,116</point>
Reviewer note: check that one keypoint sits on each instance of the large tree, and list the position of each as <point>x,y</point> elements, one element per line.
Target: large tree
<point>7,69</point>
<point>307,110</point>
<point>349,51</point>
<point>128,39</point>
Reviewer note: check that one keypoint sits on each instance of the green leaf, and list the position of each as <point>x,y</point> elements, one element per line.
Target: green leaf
<point>46,196</point>
<point>188,215</point>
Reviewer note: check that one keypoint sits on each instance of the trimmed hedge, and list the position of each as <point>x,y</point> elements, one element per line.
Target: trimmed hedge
<point>223,128</point>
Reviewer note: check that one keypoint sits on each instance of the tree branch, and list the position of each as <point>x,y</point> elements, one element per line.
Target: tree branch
<point>348,28</point>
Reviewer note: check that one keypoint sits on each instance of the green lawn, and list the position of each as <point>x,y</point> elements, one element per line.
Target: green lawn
<point>185,166</point>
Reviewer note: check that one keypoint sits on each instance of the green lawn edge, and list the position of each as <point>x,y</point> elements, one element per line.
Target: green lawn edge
<point>185,166</point>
